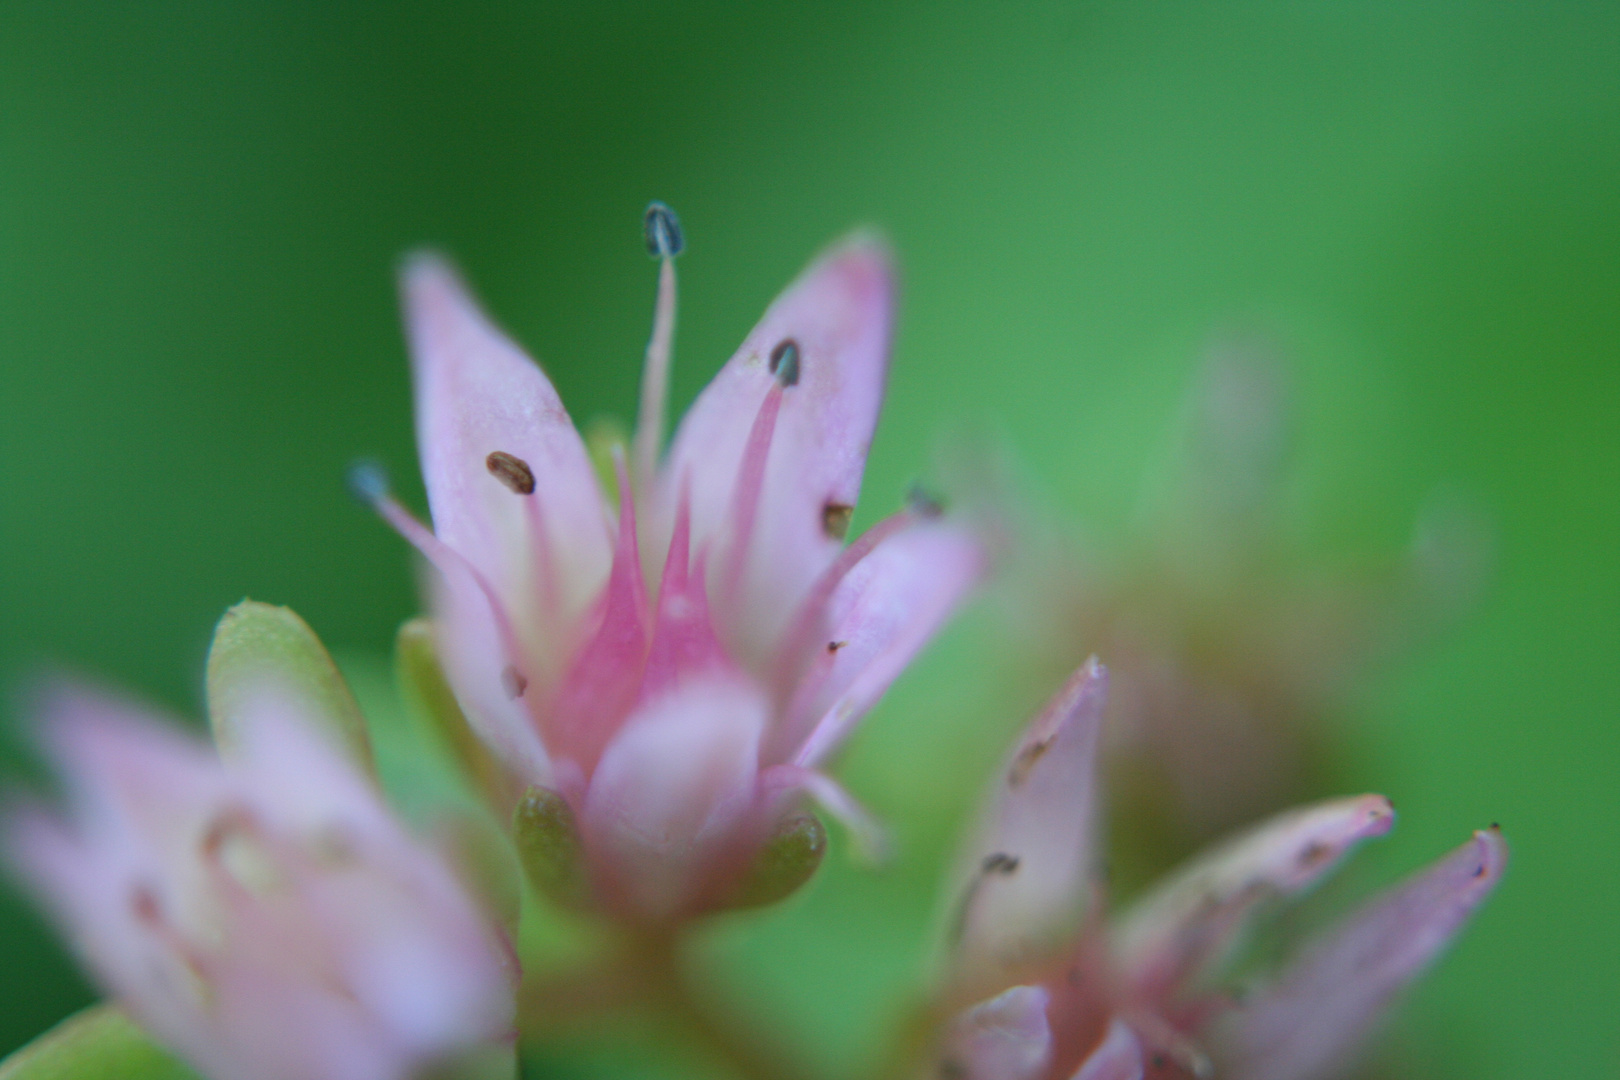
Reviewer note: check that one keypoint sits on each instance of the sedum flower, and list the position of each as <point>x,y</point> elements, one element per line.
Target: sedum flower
<point>259,910</point>
<point>1043,984</point>
<point>667,666</point>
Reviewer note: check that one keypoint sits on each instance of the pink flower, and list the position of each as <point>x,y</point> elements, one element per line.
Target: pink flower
<point>1043,985</point>
<point>677,666</point>
<point>263,915</point>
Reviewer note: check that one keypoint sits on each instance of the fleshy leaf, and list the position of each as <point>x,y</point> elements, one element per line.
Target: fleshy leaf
<point>256,644</point>
<point>1309,1023</point>
<point>787,860</point>
<point>548,846</point>
<point>94,1044</point>
<point>423,685</point>
<point>1186,924</point>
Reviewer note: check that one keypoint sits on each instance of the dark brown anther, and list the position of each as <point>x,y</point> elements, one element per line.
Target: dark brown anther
<point>1314,855</point>
<point>834,646</point>
<point>1025,761</point>
<point>999,863</point>
<point>514,472</point>
<point>835,517</point>
<point>785,362</point>
<point>924,503</point>
<point>513,683</point>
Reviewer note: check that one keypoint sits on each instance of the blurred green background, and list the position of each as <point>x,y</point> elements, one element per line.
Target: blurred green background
<point>201,207</point>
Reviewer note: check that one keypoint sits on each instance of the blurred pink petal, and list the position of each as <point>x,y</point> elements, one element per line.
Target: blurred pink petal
<point>266,916</point>
<point>1308,1024</point>
<point>1005,1038</point>
<point>1117,1057</point>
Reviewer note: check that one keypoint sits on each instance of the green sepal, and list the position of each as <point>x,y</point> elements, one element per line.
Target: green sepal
<point>424,688</point>
<point>548,846</point>
<point>256,644</point>
<point>788,860</point>
<point>94,1044</point>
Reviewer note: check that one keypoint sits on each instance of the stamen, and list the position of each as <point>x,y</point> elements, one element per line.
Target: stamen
<point>785,362</point>
<point>369,483</point>
<point>664,241</point>
<point>512,471</point>
<point>835,518</point>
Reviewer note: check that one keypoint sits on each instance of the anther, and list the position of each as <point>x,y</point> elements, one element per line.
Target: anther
<point>512,471</point>
<point>785,362</point>
<point>368,481</point>
<point>835,519</point>
<point>834,646</point>
<point>924,503</point>
<point>662,230</point>
<point>513,683</point>
<point>999,863</point>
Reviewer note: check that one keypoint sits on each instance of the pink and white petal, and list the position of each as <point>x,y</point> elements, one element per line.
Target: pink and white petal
<point>1309,1023</point>
<point>1184,926</point>
<point>476,658</point>
<point>1005,1038</point>
<point>1117,1057</point>
<point>885,610</point>
<point>476,394</point>
<point>673,794</point>
<point>840,315</point>
<point>1027,874</point>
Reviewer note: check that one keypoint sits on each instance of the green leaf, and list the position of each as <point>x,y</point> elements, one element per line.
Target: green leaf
<point>548,846</point>
<point>785,863</point>
<point>255,643</point>
<point>423,685</point>
<point>96,1044</point>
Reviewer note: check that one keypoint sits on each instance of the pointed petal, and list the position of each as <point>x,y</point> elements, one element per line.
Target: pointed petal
<point>1184,926</point>
<point>1005,1038</point>
<point>673,794</point>
<point>478,394</point>
<point>1309,1023</point>
<point>886,609</point>
<point>839,313</point>
<point>1117,1057</point>
<point>1026,875</point>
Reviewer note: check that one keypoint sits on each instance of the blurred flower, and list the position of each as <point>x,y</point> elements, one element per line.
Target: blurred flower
<point>1041,984</point>
<point>671,677</point>
<point>1230,642</point>
<point>262,913</point>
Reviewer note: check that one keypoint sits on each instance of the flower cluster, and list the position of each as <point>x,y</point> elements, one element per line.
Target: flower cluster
<point>643,661</point>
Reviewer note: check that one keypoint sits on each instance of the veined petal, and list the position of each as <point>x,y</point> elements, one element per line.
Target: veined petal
<point>1024,881</point>
<point>838,316</point>
<point>477,394</point>
<point>1005,1038</point>
<point>1185,925</point>
<point>1117,1057</point>
<point>673,793</point>
<point>881,615</point>
<point>1308,1024</point>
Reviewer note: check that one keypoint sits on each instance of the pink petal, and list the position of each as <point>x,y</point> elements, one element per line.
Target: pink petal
<point>886,609</point>
<point>671,798</point>
<point>477,394</point>
<point>1005,1038</point>
<point>1185,925</point>
<point>1026,877</point>
<point>1117,1057</point>
<point>839,312</point>
<point>1309,1023</point>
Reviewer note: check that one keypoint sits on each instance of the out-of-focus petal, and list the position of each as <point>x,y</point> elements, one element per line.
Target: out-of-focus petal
<point>839,316</point>
<point>478,394</point>
<point>1117,1057</point>
<point>1309,1023</point>
<point>885,610</point>
<point>1024,881</point>
<point>1185,924</point>
<point>672,794</point>
<point>1005,1038</point>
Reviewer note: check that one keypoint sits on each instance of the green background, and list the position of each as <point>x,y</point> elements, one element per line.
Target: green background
<point>200,209</point>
